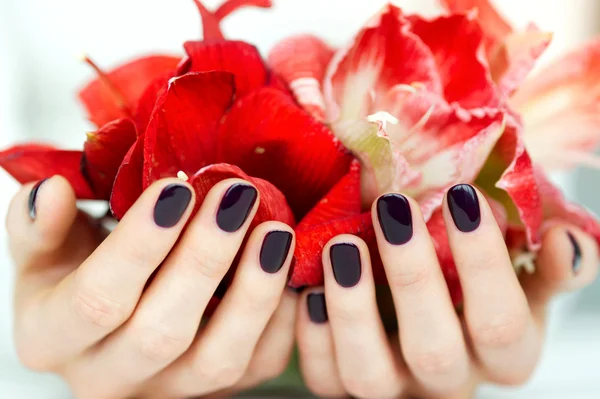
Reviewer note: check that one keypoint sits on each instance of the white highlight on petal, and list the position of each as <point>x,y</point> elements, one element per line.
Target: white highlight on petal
<point>259,150</point>
<point>383,118</point>
<point>181,175</point>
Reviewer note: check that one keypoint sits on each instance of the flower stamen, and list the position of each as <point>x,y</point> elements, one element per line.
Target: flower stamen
<point>109,84</point>
<point>182,176</point>
<point>382,118</point>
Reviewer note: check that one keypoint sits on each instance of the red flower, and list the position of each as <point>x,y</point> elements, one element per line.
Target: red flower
<point>411,105</point>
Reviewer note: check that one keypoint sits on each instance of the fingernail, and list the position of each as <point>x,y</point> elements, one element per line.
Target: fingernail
<point>171,205</point>
<point>464,207</point>
<point>274,251</point>
<point>317,309</point>
<point>576,262</point>
<point>395,218</point>
<point>345,260</point>
<point>297,290</point>
<point>32,198</point>
<point>235,207</point>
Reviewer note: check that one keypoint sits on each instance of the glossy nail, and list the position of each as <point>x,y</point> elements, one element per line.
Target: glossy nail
<point>346,264</point>
<point>33,197</point>
<point>464,207</point>
<point>576,261</point>
<point>395,218</point>
<point>171,205</point>
<point>236,206</point>
<point>317,309</point>
<point>274,251</point>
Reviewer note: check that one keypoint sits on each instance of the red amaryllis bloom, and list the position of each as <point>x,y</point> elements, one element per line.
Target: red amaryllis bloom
<point>411,105</point>
<point>428,103</point>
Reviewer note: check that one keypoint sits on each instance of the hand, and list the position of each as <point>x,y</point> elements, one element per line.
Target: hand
<point>344,349</point>
<point>104,315</point>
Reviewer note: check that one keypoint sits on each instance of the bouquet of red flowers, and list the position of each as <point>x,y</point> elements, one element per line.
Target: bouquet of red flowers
<point>409,104</point>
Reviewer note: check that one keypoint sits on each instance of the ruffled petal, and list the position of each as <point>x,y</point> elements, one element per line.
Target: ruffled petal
<point>113,95</point>
<point>302,61</point>
<point>456,42</point>
<point>239,58</point>
<point>182,134</point>
<point>147,101</point>
<point>560,109</point>
<point>273,205</point>
<point>33,162</point>
<point>376,62</point>
<point>268,136</point>
<point>103,153</point>
<point>128,183</point>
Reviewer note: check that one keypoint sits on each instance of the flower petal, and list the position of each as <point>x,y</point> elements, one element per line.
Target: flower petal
<point>496,27</point>
<point>128,182</point>
<point>302,61</point>
<point>33,162</point>
<point>560,109</point>
<point>211,20</point>
<point>114,95</point>
<point>182,133</point>
<point>273,205</point>
<point>375,63</point>
<point>103,153</point>
<point>270,137</point>
<point>456,42</point>
<point>147,101</point>
<point>239,58</point>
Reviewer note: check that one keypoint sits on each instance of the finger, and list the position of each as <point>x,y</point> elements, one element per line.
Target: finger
<point>101,294</point>
<point>220,356</point>
<point>168,315</point>
<point>430,332</point>
<point>315,346</point>
<point>497,315</point>
<point>364,357</point>
<point>568,261</point>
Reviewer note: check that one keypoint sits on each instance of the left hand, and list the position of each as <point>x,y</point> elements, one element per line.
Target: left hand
<point>344,349</point>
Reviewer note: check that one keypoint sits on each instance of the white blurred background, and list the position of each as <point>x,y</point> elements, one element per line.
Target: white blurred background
<point>40,72</point>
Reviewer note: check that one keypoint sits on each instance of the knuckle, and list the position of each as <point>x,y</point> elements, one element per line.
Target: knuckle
<point>365,386</point>
<point>207,263</point>
<point>347,314</point>
<point>501,331</point>
<point>436,362</point>
<point>260,300</point>
<point>161,346</point>
<point>416,279</point>
<point>98,310</point>
<point>219,375</point>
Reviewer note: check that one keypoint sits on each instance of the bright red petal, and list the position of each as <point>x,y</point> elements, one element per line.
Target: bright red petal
<point>33,162</point>
<point>115,94</point>
<point>273,205</point>
<point>269,136</point>
<point>103,153</point>
<point>460,62</point>
<point>239,58</point>
<point>384,55</point>
<point>145,105</point>
<point>128,183</point>
<point>182,133</point>
<point>302,61</point>
<point>211,20</point>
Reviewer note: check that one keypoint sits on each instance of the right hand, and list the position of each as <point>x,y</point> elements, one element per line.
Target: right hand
<point>102,313</point>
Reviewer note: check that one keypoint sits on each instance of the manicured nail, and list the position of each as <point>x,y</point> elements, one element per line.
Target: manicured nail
<point>345,260</point>
<point>576,262</point>
<point>464,207</point>
<point>171,205</point>
<point>317,310</point>
<point>395,218</point>
<point>236,206</point>
<point>297,290</point>
<point>274,251</point>
<point>32,198</point>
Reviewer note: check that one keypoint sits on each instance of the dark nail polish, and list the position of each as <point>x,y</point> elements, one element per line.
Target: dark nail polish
<point>345,260</point>
<point>236,206</point>
<point>464,207</point>
<point>297,290</point>
<point>274,251</point>
<point>171,205</point>
<point>32,198</point>
<point>317,309</point>
<point>395,218</point>
<point>576,262</point>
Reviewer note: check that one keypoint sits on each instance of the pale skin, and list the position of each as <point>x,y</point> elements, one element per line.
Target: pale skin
<point>88,309</point>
